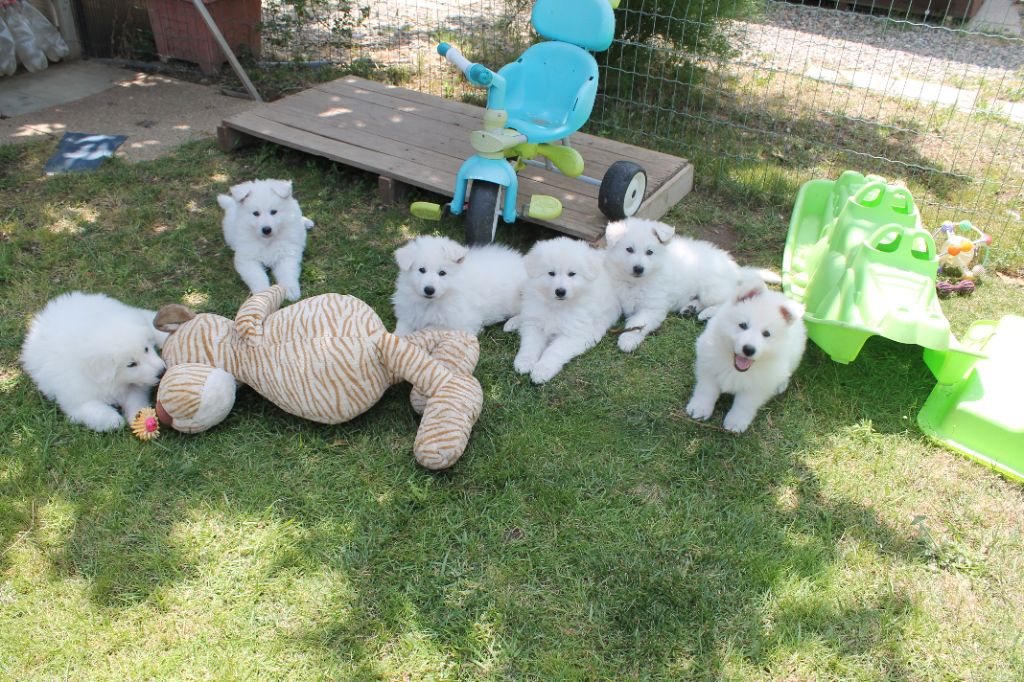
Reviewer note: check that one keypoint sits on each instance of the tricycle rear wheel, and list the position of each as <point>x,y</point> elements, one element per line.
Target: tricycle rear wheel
<point>622,190</point>
<point>483,211</point>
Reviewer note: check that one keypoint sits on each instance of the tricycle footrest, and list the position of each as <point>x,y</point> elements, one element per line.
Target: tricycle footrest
<point>544,207</point>
<point>427,210</point>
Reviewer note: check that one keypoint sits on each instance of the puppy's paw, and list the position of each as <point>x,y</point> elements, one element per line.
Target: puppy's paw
<point>699,409</point>
<point>292,293</point>
<point>630,341</point>
<point>511,324</point>
<point>543,372</point>
<point>106,420</point>
<point>707,313</point>
<point>781,388</point>
<point>307,223</point>
<point>523,364</point>
<point>737,423</point>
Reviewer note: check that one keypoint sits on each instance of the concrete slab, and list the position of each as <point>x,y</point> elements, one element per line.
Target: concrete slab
<point>155,112</point>
<point>60,83</point>
<point>998,16</point>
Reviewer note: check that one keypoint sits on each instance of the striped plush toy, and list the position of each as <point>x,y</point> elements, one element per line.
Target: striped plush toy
<point>327,358</point>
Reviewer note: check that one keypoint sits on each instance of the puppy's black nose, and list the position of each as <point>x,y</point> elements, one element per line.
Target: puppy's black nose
<point>160,374</point>
<point>749,350</point>
<point>429,291</point>
<point>560,292</point>
<point>266,229</point>
<point>638,269</point>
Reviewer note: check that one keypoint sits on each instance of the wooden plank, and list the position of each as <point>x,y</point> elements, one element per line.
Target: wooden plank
<point>409,138</point>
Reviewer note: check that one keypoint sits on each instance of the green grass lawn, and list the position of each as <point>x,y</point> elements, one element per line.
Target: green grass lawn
<point>591,531</point>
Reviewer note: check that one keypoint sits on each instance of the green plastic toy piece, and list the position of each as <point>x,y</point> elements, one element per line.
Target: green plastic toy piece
<point>980,415</point>
<point>544,207</point>
<point>858,259</point>
<point>426,210</point>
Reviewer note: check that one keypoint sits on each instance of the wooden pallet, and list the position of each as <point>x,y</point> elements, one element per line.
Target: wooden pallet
<point>409,137</point>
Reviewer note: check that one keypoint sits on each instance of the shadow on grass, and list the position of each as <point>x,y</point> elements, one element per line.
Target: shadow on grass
<point>590,531</point>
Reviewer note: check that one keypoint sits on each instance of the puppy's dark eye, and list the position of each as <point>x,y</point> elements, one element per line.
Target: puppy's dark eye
<point>552,273</point>
<point>273,211</point>
<point>256,213</point>
<point>133,364</point>
<point>423,271</point>
<point>629,249</point>
<point>572,274</point>
<point>442,273</point>
<point>146,349</point>
<point>766,333</point>
<point>649,252</point>
<point>743,325</point>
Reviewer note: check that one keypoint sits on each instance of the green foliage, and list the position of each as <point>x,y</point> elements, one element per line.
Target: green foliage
<point>288,21</point>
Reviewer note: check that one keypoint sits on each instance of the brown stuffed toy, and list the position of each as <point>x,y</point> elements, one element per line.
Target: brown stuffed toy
<point>327,358</point>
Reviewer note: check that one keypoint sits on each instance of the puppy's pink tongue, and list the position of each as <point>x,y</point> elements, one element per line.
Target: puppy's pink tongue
<point>742,363</point>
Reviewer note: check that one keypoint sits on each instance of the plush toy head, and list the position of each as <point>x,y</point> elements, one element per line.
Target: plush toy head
<point>194,397</point>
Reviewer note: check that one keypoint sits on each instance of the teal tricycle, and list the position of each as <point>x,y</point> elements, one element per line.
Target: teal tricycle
<point>533,103</point>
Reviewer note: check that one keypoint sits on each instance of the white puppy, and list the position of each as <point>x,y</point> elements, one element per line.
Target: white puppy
<point>656,272</point>
<point>93,354</point>
<point>568,305</point>
<point>264,226</point>
<point>445,285</point>
<point>750,348</point>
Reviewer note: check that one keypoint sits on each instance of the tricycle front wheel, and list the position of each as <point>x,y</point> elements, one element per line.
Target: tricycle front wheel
<point>622,190</point>
<point>482,213</point>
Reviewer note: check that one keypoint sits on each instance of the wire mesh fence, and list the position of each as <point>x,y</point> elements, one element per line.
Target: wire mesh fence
<point>761,95</point>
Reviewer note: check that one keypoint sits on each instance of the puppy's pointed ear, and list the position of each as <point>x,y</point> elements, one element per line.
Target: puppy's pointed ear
<point>226,202</point>
<point>791,311</point>
<point>241,191</point>
<point>615,231</point>
<point>749,291</point>
<point>172,316</point>
<point>405,256</point>
<point>663,233</point>
<point>282,188</point>
<point>456,253</point>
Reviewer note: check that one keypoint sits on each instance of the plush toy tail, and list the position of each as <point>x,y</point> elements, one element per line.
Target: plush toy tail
<point>456,350</point>
<point>453,405</point>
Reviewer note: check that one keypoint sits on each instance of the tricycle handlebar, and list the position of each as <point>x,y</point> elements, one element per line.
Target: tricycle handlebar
<point>478,74</point>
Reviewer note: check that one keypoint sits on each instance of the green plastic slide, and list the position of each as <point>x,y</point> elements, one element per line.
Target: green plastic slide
<point>858,258</point>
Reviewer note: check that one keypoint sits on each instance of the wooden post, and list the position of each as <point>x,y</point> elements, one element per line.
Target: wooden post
<point>229,139</point>
<point>68,29</point>
<point>392,192</point>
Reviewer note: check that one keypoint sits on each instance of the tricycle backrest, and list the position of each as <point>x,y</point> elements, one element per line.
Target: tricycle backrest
<point>590,24</point>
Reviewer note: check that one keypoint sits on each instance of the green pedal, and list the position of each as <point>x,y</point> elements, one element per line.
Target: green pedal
<point>544,207</point>
<point>426,210</point>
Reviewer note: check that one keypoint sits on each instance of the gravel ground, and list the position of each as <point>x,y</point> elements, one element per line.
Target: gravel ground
<point>794,38</point>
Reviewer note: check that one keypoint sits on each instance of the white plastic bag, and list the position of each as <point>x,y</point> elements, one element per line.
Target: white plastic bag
<point>25,44</point>
<point>8,59</point>
<point>46,33</point>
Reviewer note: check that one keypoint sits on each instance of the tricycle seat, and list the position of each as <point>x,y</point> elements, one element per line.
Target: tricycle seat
<point>550,91</point>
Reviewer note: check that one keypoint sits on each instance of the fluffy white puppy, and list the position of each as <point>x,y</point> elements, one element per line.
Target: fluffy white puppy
<point>568,305</point>
<point>445,285</point>
<point>94,355</point>
<point>751,348</point>
<point>657,272</point>
<point>264,226</point>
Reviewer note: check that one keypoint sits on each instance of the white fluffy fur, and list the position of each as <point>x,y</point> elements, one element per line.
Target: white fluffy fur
<point>79,350</point>
<point>657,272</point>
<point>264,226</point>
<point>556,328</point>
<point>445,285</point>
<point>726,348</point>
